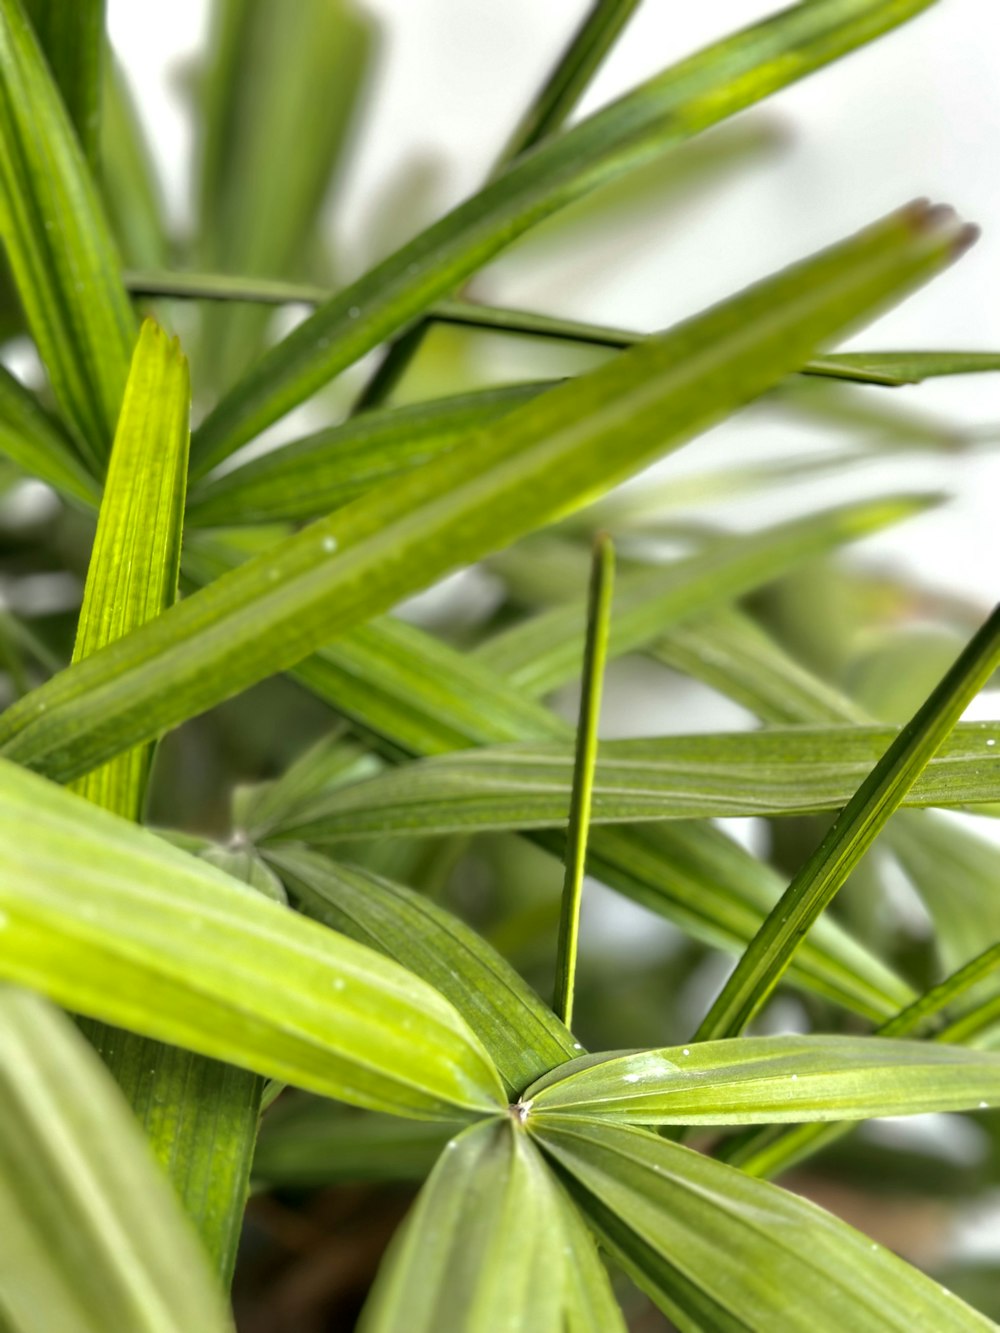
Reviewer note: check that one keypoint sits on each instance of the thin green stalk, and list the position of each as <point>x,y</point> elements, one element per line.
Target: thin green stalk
<point>886,369</point>
<point>772,949</point>
<point>594,657</point>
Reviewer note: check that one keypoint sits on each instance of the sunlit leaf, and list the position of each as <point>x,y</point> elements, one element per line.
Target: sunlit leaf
<point>763,1080</point>
<point>523,1037</point>
<point>117,924</point>
<point>132,575</point>
<point>93,1238</point>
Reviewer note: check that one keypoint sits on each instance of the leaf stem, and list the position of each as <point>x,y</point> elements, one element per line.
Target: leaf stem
<point>594,656</point>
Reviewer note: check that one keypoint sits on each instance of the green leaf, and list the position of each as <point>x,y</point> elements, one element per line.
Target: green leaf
<point>915,367</point>
<point>699,92</point>
<point>522,1036</point>
<point>270,67</point>
<point>306,1143</point>
<point>35,442</point>
<point>586,52</point>
<point>543,651</point>
<point>58,244</point>
<point>888,369</point>
<point>545,115</point>
<point>426,698</point>
<point>72,39</point>
<point>764,1080</point>
<point>953,869</point>
<point>200,1116</point>
<point>704,776</point>
<point>117,924</point>
<point>422,697</point>
<point>768,954</point>
<point>93,1238</point>
<point>733,654</point>
<point>718,1250</point>
<point>956,873</point>
<point>132,575</point>
<point>131,189</point>
<point>312,476</point>
<point>537,463</point>
<point>767,1153</point>
<point>200,1119</point>
<point>331,761</point>
<point>485,1248</point>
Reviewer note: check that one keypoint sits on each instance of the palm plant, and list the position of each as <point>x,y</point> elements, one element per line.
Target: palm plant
<point>312,964</point>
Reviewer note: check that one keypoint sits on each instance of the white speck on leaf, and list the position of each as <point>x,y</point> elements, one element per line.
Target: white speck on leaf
<point>687,1050</point>
<point>329,544</point>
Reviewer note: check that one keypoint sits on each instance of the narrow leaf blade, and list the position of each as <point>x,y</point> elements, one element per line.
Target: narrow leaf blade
<point>769,953</point>
<point>134,564</point>
<point>716,1249</point>
<point>117,924</point>
<point>522,1036</point>
<point>59,246</point>
<point>93,1236</point>
<point>764,1080</point>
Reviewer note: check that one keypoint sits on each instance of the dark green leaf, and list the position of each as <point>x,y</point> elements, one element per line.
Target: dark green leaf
<point>309,477</point>
<point>34,441</point>
<point>72,39</point>
<point>58,244</point>
<point>308,1142</point>
<point>523,1037</point>
<point>718,1250</point>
